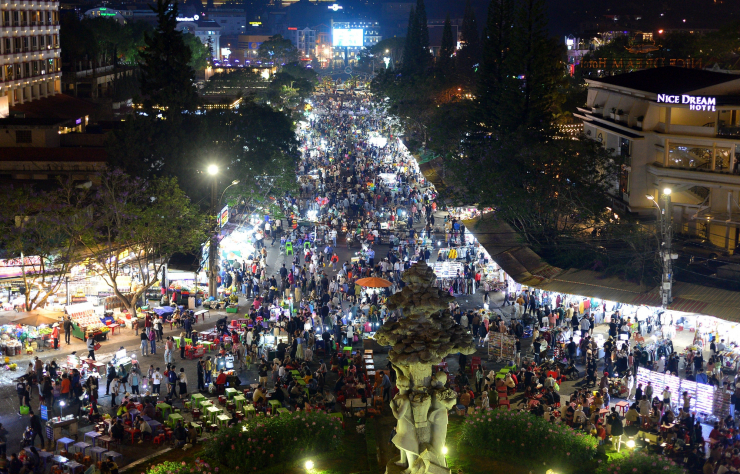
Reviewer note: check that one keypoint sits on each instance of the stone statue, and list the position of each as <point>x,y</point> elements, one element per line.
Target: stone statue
<point>423,337</point>
<point>405,438</point>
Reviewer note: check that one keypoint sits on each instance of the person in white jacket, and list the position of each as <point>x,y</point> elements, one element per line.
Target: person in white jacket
<point>464,321</point>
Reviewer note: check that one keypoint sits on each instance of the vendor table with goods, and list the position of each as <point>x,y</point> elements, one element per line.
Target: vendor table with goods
<point>85,321</point>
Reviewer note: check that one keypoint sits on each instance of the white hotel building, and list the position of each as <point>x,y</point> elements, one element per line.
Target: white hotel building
<point>676,128</point>
<point>30,64</point>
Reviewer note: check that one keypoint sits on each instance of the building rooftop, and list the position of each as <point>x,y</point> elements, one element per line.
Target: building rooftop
<point>668,80</point>
<point>90,155</point>
<point>61,107</point>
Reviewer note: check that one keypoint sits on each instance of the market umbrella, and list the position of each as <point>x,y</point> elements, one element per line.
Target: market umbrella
<point>38,317</point>
<point>374,282</point>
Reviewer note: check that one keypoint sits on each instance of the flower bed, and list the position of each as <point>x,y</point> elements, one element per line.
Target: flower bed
<point>265,441</point>
<point>640,463</point>
<point>522,436</point>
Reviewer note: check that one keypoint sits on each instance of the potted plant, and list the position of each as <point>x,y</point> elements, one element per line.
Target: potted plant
<point>639,120</point>
<point>619,114</point>
<point>614,111</point>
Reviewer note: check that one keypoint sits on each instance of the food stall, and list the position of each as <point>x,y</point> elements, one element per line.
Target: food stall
<point>85,321</point>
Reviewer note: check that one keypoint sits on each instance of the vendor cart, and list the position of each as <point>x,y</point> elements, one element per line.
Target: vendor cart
<point>85,321</point>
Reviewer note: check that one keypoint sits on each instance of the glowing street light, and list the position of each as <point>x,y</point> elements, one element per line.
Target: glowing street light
<point>309,465</point>
<point>212,170</point>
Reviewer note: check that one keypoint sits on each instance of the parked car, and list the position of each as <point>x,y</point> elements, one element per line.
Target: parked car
<point>702,248</point>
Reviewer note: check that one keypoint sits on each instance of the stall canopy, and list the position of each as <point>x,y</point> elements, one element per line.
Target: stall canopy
<point>38,317</point>
<point>432,172</point>
<point>503,244</point>
<point>596,285</point>
<point>690,298</point>
<point>373,282</point>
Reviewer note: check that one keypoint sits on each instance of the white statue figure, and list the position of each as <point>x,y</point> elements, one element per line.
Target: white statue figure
<point>405,438</point>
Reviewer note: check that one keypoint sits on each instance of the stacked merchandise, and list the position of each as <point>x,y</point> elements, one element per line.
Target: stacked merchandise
<point>501,346</point>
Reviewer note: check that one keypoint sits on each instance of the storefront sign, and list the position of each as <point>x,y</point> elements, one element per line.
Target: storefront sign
<point>694,102</point>
<point>640,63</point>
<point>223,216</point>
<point>188,18</point>
<point>335,7</point>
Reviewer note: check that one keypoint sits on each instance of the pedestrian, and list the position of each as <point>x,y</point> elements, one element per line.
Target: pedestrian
<point>183,382</point>
<point>201,375</point>
<point>144,344</point>
<point>67,325</point>
<point>90,347</point>
<point>386,386</point>
<point>152,341</point>
<point>55,335</point>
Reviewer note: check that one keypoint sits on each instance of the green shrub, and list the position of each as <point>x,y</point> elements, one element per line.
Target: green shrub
<point>169,467</point>
<point>640,463</point>
<point>523,436</point>
<point>265,441</point>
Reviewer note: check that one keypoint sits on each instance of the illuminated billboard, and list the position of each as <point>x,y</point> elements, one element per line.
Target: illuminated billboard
<point>351,37</point>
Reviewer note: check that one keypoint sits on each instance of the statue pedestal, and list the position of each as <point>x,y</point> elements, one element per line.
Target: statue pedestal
<point>392,468</point>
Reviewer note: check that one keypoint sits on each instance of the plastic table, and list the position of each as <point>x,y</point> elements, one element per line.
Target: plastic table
<point>240,401</point>
<point>197,398</point>
<point>231,393</point>
<point>274,405</point>
<point>98,452</point>
<point>283,411</point>
<point>207,345</point>
<point>173,419</point>
<point>114,455</point>
<point>211,413</point>
<point>81,446</point>
<point>154,425</point>
<point>93,435</point>
<point>250,411</point>
<point>73,466</point>
<point>66,442</point>
<point>223,420</point>
<point>165,408</point>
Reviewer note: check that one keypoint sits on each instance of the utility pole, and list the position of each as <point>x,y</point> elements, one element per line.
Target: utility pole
<point>213,243</point>
<point>665,216</point>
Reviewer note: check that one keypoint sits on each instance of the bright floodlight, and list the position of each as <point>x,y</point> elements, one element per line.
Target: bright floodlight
<point>631,443</point>
<point>235,182</point>
<point>309,465</point>
<point>650,196</point>
<point>667,191</point>
<point>212,170</point>
<point>61,404</point>
<point>444,450</point>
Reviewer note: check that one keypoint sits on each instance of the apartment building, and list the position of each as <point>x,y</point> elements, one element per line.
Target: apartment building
<point>676,128</point>
<point>304,39</point>
<point>30,66</point>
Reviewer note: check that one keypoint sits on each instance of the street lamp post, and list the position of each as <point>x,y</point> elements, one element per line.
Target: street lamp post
<point>212,247</point>
<point>665,216</point>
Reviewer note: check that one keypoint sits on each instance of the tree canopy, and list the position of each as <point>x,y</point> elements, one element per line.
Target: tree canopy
<point>167,76</point>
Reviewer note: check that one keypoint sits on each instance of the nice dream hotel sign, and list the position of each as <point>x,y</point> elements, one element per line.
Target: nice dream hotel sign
<point>694,102</point>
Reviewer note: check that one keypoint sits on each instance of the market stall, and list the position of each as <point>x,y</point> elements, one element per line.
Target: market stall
<point>85,321</point>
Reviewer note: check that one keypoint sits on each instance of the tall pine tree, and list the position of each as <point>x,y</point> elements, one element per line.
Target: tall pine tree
<point>469,54</point>
<point>495,74</point>
<point>425,57</point>
<point>409,47</point>
<point>535,59</point>
<point>447,49</point>
<point>167,77</point>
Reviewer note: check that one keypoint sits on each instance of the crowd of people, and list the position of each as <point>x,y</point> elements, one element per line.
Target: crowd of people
<point>361,189</point>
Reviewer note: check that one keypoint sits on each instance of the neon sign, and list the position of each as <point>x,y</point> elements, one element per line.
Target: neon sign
<point>335,7</point>
<point>188,18</point>
<point>694,102</point>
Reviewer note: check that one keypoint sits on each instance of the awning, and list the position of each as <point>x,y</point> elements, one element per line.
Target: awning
<point>690,298</point>
<point>186,262</point>
<point>503,244</point>
<point>432,173</point>
<point>595,285</point>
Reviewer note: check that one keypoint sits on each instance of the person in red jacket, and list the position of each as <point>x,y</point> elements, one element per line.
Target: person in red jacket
<point>55,335</point>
